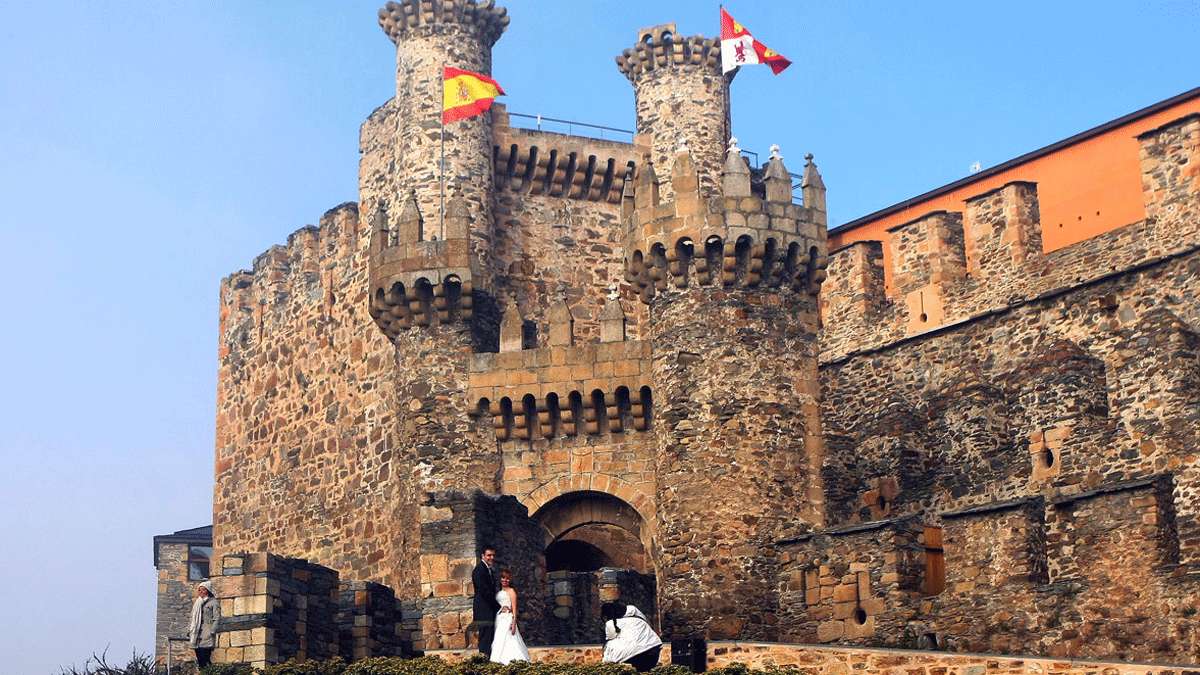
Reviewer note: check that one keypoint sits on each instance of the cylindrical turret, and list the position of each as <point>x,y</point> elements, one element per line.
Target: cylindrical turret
<point>682,99</point>
<point>429,35</point>
<point>732,286</point>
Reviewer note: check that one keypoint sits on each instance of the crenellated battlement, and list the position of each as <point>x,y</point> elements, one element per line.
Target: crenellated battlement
<point>547,164</point>
<point>564,391</point>
<point>658,48</point>
<point>399,19</point>
<point>253,301</point>
<point>416,281</point>
<point>947,267</point>
<point>747,237</point>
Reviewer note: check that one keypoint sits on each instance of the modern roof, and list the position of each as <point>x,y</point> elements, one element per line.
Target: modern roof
<point>1027,157</point>
<point>200,536</point>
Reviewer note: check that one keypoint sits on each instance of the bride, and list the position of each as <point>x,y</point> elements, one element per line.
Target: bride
<point>507,645</point>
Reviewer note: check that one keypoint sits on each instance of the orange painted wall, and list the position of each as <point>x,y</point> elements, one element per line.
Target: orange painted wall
<point>1086,188</point>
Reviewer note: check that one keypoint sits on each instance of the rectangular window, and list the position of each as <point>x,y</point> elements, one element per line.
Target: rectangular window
<point>198,562</point>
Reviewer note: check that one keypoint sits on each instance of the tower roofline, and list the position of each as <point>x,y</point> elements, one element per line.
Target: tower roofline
<point>398,18</point>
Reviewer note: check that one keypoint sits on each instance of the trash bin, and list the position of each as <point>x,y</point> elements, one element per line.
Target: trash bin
<point>691,653</point>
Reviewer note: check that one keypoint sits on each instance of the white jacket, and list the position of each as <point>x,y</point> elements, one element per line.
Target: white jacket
<point>636,636</point>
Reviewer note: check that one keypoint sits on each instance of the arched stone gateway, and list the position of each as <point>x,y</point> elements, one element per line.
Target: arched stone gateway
<point>597,548</point>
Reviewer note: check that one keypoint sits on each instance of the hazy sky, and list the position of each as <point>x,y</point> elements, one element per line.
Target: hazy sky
<point>148,149</point>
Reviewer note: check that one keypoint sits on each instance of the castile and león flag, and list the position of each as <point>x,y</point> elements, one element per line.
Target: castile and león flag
<point>739,48</point>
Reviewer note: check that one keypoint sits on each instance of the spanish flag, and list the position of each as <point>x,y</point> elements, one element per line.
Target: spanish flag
<point>466,94</point>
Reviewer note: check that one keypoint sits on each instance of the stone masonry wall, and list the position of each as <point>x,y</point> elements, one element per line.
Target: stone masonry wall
<point>274,609</point>
<point>305,462</point>
<point>851,584</point>
<point>612,359</point>
<point>1065,388</point>
<point>174,604</point>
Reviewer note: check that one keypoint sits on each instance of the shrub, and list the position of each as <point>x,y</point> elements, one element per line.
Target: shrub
<point>334,666</point>
<point>227,669</point>
<point>139,664</point>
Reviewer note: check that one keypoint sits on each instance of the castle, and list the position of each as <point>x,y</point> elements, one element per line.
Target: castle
<point>641,370</point>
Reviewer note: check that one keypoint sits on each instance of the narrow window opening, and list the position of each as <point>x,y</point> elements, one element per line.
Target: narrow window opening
<point>935,562</point>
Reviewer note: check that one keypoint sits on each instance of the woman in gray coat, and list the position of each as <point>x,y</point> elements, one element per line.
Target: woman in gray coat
<point>202,630</point>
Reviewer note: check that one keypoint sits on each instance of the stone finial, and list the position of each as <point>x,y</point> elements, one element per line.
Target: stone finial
<point>512,329</point>
<point>379,218</point>
<point>381,236</point>
<point>612,318</point>
<point>410,226</point>
<point>813,190</point>
<point>778,181</point>
<point>562,323</point>
<point>647,185</point>
<point>683,146</point>
<point>736,172</point>
<point>684,177</point>
<point>628,194</point>
<point>458,219</point>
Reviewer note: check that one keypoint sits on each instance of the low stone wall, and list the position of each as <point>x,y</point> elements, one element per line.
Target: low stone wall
<point>861,661</point>
<point>274,608</point>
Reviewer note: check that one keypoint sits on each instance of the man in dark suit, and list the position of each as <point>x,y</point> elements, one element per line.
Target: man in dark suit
<point>487,582</point>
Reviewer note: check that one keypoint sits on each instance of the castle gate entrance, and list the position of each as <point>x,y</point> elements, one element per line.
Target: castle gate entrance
<point>597,548</point>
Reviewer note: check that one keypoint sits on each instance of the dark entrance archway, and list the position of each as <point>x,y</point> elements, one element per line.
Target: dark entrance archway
<point>596,549</point>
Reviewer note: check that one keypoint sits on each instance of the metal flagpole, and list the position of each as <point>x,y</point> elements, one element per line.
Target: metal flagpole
<point>442,164</point>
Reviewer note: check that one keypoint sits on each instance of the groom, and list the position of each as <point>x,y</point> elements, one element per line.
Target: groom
<point>486,584</point>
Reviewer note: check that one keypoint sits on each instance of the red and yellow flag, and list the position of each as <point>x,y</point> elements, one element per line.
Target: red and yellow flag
<point>466,94</point>
<point>739,48</point>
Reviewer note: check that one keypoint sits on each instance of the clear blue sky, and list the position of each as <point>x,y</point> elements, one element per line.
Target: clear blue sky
<point>149,149</point>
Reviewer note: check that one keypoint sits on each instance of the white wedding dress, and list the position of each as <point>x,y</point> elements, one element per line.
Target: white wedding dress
<point>507,646</point>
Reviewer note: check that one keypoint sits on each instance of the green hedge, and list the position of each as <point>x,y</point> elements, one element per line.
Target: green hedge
<point>476,665</point>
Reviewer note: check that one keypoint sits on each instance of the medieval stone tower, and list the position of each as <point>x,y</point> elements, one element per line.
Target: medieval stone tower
<point>548,343</point>
<point>622,364</point>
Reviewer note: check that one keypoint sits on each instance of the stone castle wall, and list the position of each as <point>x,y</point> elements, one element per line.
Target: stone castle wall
<point>1041,412</point>
<point>576,338</point>
<point>306,464</point>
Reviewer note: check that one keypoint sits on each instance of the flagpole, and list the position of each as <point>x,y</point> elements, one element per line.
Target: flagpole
<point>442,165</point>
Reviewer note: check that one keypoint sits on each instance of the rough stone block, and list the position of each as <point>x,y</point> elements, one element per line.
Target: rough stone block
<point>829,631</point>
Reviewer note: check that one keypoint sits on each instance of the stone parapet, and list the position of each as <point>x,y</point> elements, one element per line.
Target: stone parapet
<point>370,622</point>
<point>565,390</point>
<point>399,19</point>
<point>274,609</point>
<point>420,281</point>
<point>740,239</point>
<point>556,165</point>
<point>1005,266</point>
